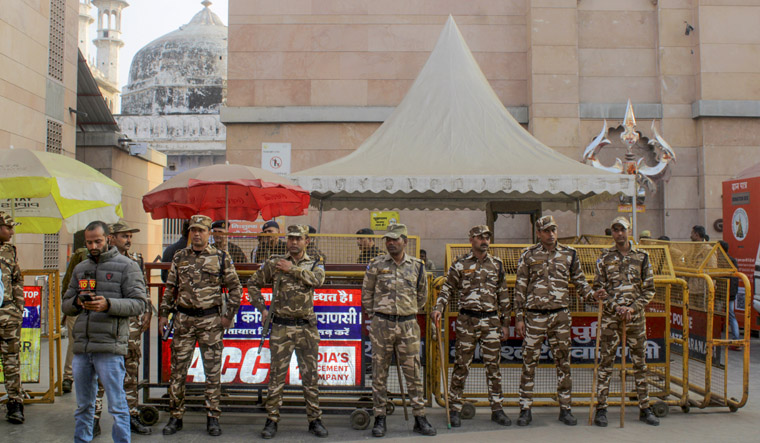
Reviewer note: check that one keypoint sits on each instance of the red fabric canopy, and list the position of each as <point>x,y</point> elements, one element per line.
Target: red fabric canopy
<point>251,192</point>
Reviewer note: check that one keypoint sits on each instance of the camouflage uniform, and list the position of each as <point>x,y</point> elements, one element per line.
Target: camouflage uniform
<point>628,281</point>
<point>482,290</point>
<point>134,349</point>
<point>11,315</point>
<point>77,257</point>
<point>395,290</point>
<point>542,299</point>
<point>198,279</point>
<point>294,324</point>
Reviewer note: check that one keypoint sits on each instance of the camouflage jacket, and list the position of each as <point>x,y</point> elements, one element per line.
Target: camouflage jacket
<point>628,279</point>
<point>394,289</point>
<point>542,279</point>
<point>138,258</point>
<point>12,281</point>
<point>481,286</point>
<point>263,251</point>
<point>293,291</point>
<point>199,278</point>
<point>366,255</point>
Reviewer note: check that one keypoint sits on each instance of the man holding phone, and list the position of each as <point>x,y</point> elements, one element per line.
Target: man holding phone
<point>105,290</point>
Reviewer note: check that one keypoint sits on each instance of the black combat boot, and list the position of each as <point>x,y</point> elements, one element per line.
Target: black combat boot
<point>270,429</point>
<point>566,417</point>
<point>500,417</point>
<point>525,417</point>
<point>648,417</point>
<point>137,426</point>
<point>66,385</point>
<point>96,428</point>
<point>379,429</point>
<point>15,412</point>
<point>212,427</point>
<point>423,426</point>
<point>174,425</point>
<point>601,418</point>
<point>317,428</point>
<point>456,420</point>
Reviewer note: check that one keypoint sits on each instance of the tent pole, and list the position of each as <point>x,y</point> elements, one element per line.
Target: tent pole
<point>578,218</point>
<point>633,211</point>
<point>319,223</point>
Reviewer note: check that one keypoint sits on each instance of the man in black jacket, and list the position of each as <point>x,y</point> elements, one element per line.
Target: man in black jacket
<point>105,290</point>
<point>172,249</point>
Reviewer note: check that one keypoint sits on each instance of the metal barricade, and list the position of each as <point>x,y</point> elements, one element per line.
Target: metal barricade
<point>707,270</point>
<point>584,329</point>
<point>243,390</point>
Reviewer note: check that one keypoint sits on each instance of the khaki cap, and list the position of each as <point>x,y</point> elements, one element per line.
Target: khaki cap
<point>122,226</point>
<point>479,230</point>
<point>200,221</point>
<point>545,222</point>
<point>395,231</point>
<point>622,221</point>
<point>298,231</point>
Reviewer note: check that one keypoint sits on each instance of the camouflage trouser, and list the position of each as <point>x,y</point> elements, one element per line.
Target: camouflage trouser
<point>282,342</point>
<point>470,330</point>
<point>67,374</point>
<point>10,346</point>
<point>556,327</point>
<point>207,331</point>
<point>405,338</point>
<point>132,365</point>
<point>636,336</point>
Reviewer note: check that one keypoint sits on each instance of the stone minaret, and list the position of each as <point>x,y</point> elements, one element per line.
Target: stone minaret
<point>108,43</point>
<point>85,20</point>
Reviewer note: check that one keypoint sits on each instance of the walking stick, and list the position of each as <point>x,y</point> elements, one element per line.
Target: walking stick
<point>596,364</point>
<point>401,384</point>
<point>622,377</point>
<point>439,333</point>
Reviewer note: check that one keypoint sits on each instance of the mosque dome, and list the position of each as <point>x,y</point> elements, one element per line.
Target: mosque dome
<point>182,72</point>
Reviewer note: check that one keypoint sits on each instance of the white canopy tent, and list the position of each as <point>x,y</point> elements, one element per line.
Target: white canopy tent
<point>451,144</point>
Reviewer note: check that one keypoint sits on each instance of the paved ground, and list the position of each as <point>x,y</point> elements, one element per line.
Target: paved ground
<point>54,423</point>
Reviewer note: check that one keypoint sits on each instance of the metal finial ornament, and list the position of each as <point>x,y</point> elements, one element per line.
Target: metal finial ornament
<point>206,3</point>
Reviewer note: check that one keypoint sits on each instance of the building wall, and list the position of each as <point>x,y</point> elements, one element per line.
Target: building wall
<point>30,96</point>
<point>571,63</point>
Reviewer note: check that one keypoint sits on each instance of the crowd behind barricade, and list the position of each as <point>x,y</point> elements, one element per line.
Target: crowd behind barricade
<point>107,309</point>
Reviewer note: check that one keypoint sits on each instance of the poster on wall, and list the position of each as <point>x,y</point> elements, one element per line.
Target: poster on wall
<point>30,337</point>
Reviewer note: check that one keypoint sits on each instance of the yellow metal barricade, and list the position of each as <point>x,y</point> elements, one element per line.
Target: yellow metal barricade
<point>49,305</point>
<point>660,340</point>
<point>707,270</point>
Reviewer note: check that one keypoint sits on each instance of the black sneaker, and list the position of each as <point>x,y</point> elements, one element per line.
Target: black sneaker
<point>525,417</point>
<point>96,428</point>
<point>501,418</point>
<point>648,417</point>
<point>456,419</point>
<point>566,417</point>
<point>601,418</point>
<point>379,429</point>
<point>423,426</point>
<point>317,428</point>
<point>212,426</point>
<point>270,429</point>
<point>174,425</point>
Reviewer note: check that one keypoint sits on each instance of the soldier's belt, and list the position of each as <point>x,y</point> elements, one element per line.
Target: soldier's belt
<point>397,318</point>
<point>192,312</point>
<point>288,321</point>
<point>546,311</point>
<point>478,314</point>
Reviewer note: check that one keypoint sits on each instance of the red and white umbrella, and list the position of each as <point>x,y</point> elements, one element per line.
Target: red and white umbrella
<point>226,192</point>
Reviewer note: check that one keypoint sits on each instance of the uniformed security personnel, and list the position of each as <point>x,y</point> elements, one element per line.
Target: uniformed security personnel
<point>69,321</point>
<point>542,301</point>
<point>121,237</point>
<point>484,315</point>
<point>194,292</point>
<point>394,290</point>
<point>294,324</point>
<point>11,315</point>
<point>624,278</point>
